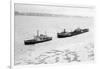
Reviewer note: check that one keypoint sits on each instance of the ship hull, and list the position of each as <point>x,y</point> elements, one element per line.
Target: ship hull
<point>59,35</point>
<point>31,42</point>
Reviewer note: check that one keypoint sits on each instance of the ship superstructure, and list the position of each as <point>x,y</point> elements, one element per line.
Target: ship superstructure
<point>73,33</point>
<point>39,38</point>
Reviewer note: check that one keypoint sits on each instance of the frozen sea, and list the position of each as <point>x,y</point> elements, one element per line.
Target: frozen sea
<point>79,48</point>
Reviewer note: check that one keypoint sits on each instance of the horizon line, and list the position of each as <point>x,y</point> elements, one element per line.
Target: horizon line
<point>46,14</point>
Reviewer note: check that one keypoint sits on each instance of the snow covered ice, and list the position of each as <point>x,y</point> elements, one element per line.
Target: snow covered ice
<point>77,48</point>
<point>66,50</point>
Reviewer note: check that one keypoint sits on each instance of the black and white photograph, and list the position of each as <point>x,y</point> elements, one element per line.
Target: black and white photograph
<point>53,34</point>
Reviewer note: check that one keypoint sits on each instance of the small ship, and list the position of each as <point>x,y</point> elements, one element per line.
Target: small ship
<point>73,33</point>
<point>38,39</point>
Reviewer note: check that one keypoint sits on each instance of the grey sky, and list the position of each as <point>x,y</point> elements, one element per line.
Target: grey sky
<point>69,10</point>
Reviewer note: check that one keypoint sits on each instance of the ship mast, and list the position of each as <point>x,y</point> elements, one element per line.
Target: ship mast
<point>37,32</point>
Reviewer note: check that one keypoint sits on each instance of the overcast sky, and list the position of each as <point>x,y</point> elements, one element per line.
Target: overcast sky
<point>59,10</point>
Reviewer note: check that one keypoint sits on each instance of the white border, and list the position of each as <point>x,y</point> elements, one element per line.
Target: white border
<point>72,66</point>
<point>12,34</point>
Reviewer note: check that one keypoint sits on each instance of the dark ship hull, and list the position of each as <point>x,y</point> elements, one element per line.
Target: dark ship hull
<point>32,41</point>
<point>70,34</point>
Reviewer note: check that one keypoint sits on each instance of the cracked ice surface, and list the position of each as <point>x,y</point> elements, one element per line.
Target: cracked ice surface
<point>79,48</point>
<point>68,53</point>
